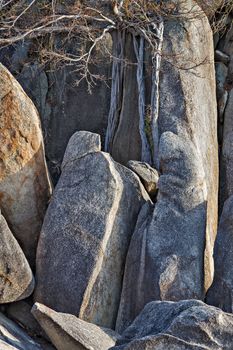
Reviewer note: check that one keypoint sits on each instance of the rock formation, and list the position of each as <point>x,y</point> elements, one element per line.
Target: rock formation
<point>24,183</point>
<point>12,337</point>
<point>184,325</point>
<point>123,250</point>
<point>86,233</point>
<point>221,292</point>
<point>148,175</point>
<point>68,332</point>
<point>16,279</point>
<point>57,97</point>
<point>167,249</point>
<point>188,105</point>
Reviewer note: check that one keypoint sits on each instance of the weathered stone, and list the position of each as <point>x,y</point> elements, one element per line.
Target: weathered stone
<point>226,159</point>
<point>220,293</point>
<point>134,291</point>
<point>216,39</point>
<point>222,102</point>
<point>188,106</point>
<point>221,74</point>
<point>221,57</point>
<point>166,253</point>
<point>148,175</point>
<point>82,145</point>
<point>35,82</point>
<point>16,279</point>
<point>209,6</point>
<point>222,95</point>
<point>63,106</point>
<point>86,233</point>
<point>185,325</point>
<point>126,143</point>
<point>12,337</point>
<point>173,255</point>
<point>68,332</point>
<point>20,312</point>
<point>24,183</point>
<point>226,46</point>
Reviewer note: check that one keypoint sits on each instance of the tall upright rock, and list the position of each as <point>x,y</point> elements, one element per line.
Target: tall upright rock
<point>24,183</point>
<point>220,293</point>
<point>86,233</point>
<point>126,140</point>
<point>226,158</point>
<point>170,255</point>
<point>188,105</point>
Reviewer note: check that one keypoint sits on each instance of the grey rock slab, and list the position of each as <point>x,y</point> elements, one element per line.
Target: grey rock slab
<point>16,278</point>
<point>24,183</point>
<point>85,143</point>
<point>14,337</point>
<point>20,312</point>
<point>184,325</point>
<point>188,105</point>
<point>220,293</point>
<point>226,158</point>
<point>221,57</point>
<point>226,46</point>
<point>166,254</point>
<point>67,332</point>
<point>148,175</point>
<point>126,143</point>
<point>221,74</point>
<point>222,94</point>
<point>86,234</point>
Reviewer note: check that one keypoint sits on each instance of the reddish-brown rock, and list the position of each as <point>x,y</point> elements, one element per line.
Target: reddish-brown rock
<point>24,182</point>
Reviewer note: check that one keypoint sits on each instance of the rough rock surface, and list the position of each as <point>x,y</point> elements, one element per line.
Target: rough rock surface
<point>226,162</point>
<point>209,6</point>
<point>12,337</point>
<point>24,183</point>
<point>16,279</point>
<point>188,106</point>
<point>220,293</point>
<point>63,106</point>
<point>184,325</point>
<point>221,57</point>
<point>166,252</point>
<point>67,332</point>
<point>86,233</point>
<point>20,312</point>
<point>126,143</point>
<point>148,175</point>
<point>226,131</point>
<point>222,95</point>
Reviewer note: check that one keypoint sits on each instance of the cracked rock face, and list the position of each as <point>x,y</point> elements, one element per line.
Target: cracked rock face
<point>148,175</point>
<point>16,279</point>
<point>184,325</point>
<point>188,106</point>
<point>86,233</point>
<point>167,248</point>
<point>24,184</point>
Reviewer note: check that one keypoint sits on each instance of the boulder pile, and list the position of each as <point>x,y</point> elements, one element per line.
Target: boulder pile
<point>123,254</point>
